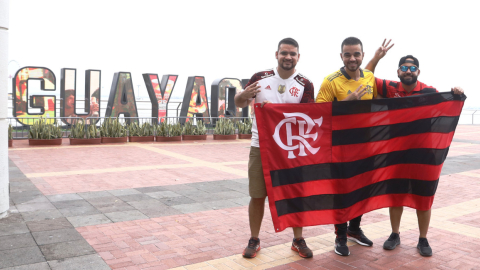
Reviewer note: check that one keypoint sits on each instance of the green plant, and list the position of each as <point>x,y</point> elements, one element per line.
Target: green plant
<point>224,127</point>
<point>201,129</point>
<point>10,131</point>
<point>190,129</point>
<point>78,130</point>
<point>146,129</point>
<point>92,131</point>
<point>245,127</point>
<point>112,128</point>
<point>169,130</point>
<point>41,130</point>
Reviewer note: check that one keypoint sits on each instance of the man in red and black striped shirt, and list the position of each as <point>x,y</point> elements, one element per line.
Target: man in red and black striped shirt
<point>408,72</point>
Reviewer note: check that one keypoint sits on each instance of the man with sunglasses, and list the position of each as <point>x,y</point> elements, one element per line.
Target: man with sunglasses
<point>408,72</point>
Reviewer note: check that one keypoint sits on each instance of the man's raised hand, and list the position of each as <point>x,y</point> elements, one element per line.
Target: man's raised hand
<point>357,94</point>
<point>382,51</point>
<point>251,91</point>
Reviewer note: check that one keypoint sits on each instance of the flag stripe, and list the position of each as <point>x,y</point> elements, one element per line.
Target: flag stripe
<point>380,105</point>
<point>331,186</point>
<point>449,108</point>
<point>442,124</point>
<point>338,216</point>
<point>346,153</point>
<point>341,201</point>
<point>349,169</point>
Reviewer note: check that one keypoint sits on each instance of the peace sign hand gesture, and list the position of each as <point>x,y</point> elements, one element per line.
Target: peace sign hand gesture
<point>358,94</point>
<point>382,51</point>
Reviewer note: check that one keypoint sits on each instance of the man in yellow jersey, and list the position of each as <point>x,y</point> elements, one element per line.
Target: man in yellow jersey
<point>349,83</point>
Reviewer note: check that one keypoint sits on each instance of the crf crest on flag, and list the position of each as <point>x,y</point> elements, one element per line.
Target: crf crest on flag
<point>327,163</point>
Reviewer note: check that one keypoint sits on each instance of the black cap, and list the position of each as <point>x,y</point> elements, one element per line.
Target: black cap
<point>404,60</point>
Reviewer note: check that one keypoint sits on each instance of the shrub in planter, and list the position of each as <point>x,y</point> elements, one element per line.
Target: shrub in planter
<point>224,130</point>
<point>112,130</point>
<point>191,132</point>
<point>81,135</point>
<point>245,129</point>
<point>169,132</point>
<point>143,133</point>
<point>42,133</point>
<point>10,135</point>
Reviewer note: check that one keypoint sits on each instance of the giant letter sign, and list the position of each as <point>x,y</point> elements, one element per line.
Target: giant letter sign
<point>195,102</point>
<point>223,94</point>
<point>68,105</point>
<point>46,103</point>
<point>159,93</point>
<point>249,109</point>
<point>122,98</point>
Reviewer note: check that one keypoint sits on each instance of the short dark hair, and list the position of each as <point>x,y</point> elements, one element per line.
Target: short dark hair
<point>351,41</point>
<point>289,41</point>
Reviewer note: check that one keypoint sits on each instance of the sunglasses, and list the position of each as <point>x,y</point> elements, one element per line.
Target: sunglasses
<point>405,68</point>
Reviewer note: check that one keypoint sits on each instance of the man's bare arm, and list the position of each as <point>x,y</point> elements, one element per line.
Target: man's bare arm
<point>379,54</point>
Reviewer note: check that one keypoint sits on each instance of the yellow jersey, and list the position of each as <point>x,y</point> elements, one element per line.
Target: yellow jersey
<point>338,85</point>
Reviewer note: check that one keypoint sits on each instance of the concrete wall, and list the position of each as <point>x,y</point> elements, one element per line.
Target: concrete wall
<point>4,18</point>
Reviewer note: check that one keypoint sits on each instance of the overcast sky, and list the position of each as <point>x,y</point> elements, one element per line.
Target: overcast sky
<point>219,39</point>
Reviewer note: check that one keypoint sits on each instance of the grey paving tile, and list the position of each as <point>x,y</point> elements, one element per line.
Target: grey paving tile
<point>147,204</point>
<point>179,188</point>
<point>80,221</point>
<point>150,189</point>
<point>11,218</point>
<point>163,194</point>
<point>241,201</point>
<point>126,215</point>
<point>49,225</point>
<point>134,197</point>
<point>71,203</point>
<point>16,241</point>
<point>211,188</point>
<point>79,211</point>
<point>30,207</point>
<point>191,208</point>
<point>229,195</point>
<point>34,199</point>
<point>114,207</point>
<point>162,212</point>
<point>241,180</point>
<point>94,194</point>
<point>41,215</point>
<point>88,262</point>
<point>64,250</point>
<point>103,200</point>
<point>203,197</point>
<point>34,266</point>
<point>25,197</point>
<point>220,204</point>
<point>192,192</point>
<point>13,228</point>
<point>56,236</point>
<point>122,192</point>
<point>20,256</point>
<point>176,200</point>
<point>64,197</point>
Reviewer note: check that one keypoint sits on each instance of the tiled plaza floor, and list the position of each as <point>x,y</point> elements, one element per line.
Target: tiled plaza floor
<point>184,206</point>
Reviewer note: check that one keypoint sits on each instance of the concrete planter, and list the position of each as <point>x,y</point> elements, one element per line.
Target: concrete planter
<point>114,139</point>
<point>45,141</point>
<point>141,138</point>
<point>168,139</point>
<point>224,137</point>
<point>10,143</point>
<point>194,137</point>
<point>244,136</point>
<point>74,141</point>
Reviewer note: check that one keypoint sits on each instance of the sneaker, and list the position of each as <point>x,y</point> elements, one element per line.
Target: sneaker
<point>359,237</point>
<point>300,246</point>
<point>341,246</point>
<point>424,248</point>
<point>252,248</point>
<point>392,242</point>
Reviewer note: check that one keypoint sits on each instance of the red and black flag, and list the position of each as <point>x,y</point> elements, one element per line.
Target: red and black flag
<point>327,163</point>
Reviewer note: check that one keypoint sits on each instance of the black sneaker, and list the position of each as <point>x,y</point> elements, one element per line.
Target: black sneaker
<point>341,246</point>
<point>392,242</point>
<point>299,245</point>
<point>424,248</point>
<point>252,248</point>
<point>359,237</point>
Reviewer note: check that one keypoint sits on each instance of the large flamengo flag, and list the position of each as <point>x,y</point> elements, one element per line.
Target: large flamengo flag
<point>327,163</point>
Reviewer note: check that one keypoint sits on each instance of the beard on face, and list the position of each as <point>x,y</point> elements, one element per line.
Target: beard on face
<point>408,80</point>
<point>285,67</point>
<point>352,69</point>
